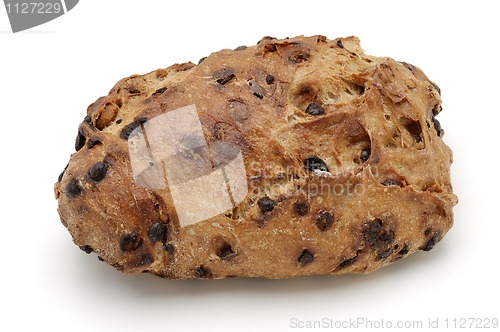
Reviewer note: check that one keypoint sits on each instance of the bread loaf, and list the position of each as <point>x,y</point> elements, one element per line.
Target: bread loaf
<point>293,157</point>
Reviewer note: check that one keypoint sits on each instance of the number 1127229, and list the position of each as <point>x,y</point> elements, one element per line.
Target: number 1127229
<point>34,8</point>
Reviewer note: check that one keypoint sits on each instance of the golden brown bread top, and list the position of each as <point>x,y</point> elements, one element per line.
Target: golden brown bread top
<point>295,107</point>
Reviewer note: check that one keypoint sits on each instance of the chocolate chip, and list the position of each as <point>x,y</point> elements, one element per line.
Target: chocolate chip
<point>98,171</point>
<point>202,272</point>
<point>159,91</point>
<point>72,188</point>
<point>339,44</point>
<point>240,48</point>
<point>305,257</point>
<point>269,79</point>
<point>223,75</point>
<point>130,242</point>
<point>59,178</point>
<point>315,109</point>
<point>168,247</point>
<point>432,242</point>
<point>383,254</point>
<point>437,124</point>
<point>93,142</point>
<point>347,262</point>
<point>158,232</point>
<point>87,119</point>
<point>404,250</point>
<point>386,236</point>
<point>365,154</point>
<point>266,204</point>
<point>390,182</point>
<point>87,249</point>
<point>80,141</point>
<point>307,90</point>
<point>145,259</point>
<point>128,129</point>
<point>375,234</point>
<point>372,230</point>
<point>202,59</point>
<point>225,252</point>
<point>133,91</point>
<point>118,121</point>
<point>312,163</point>
<point>324,220</point>
<point>257,90</point>
<point>301,208</point>
<point>298,56</point>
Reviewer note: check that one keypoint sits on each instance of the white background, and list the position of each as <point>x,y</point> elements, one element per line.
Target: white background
<point>49,74</point>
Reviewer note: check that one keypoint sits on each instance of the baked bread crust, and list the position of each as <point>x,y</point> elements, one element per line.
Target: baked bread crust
<point>346,167</point>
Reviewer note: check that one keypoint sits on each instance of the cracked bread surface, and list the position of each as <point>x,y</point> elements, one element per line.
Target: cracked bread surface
<point>344,159</point>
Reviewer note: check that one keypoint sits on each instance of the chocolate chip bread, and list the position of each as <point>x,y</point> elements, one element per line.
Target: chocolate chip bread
<point>293,157</point>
